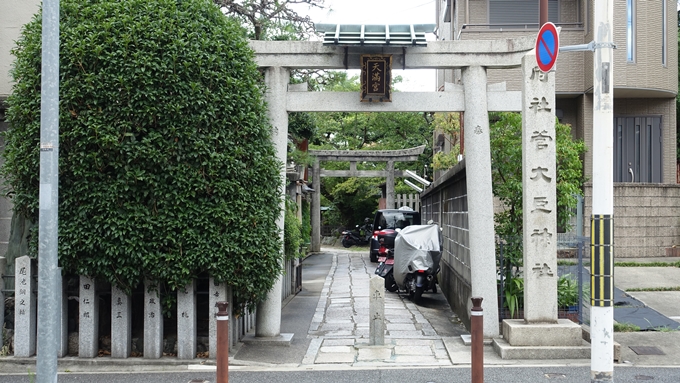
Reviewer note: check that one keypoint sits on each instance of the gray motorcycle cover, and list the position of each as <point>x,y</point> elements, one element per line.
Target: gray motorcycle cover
<point>418,246</point>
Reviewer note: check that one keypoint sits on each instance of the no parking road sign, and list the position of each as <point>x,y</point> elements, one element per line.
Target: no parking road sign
<point>547,47</point>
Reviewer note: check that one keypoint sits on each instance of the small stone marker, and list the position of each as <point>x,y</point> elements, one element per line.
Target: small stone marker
<point>153,322</point>
<point>62,308</point>
<point>25,308</point>
<point>121,328</point>
<point>186,322</point>
<point>88,330</point>
<point>218,292</point>
<point>376,308</point>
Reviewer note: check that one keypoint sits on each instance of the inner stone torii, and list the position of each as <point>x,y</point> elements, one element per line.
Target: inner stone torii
<point>473,58</point>
<point>389,156</point>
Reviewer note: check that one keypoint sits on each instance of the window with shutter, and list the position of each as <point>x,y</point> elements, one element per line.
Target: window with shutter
<point>505,13</point>
<point>637,149</point>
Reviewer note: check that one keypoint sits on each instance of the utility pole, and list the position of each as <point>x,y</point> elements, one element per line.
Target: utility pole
<point>48,217</point>
<point>602,220</point>
<point>543,12</point>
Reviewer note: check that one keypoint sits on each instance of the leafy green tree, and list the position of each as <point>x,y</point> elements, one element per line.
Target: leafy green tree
<point>357,198</point>
<point>164,146</point>
<point>271,19</point>
<point>448,125</point>
<point>506,153</point>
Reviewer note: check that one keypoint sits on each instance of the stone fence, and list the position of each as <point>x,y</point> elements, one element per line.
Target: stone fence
<point>646,219</point>
<point>97,319</point>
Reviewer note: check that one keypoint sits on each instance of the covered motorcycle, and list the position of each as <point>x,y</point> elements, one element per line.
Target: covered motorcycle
<point>417,253</point>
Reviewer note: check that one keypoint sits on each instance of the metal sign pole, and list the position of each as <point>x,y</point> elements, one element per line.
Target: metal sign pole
<point>602,223</point>
<point>48,293</point>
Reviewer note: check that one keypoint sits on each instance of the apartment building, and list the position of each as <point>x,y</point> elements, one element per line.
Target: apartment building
<point>647,197</point>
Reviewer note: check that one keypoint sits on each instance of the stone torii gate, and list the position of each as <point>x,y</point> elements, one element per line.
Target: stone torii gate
<point>389,156</point>
<point>476,98</point>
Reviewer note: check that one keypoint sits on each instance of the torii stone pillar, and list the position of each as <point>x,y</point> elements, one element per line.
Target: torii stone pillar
<point>315,207</point>
<point>389,186</point>
<point>480,197</point>
<point>268,323</point>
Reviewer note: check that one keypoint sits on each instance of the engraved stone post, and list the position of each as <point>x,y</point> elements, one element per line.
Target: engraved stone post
<point>88,330</point>
<point>186,322</point>
<point>24,308</point>
<point>540,327</point>
<point>376,308</point>
<point>62,349</point>
<point>153,322</point>
<point>121,327</point>
<point>218,293</point>
<point>539,195</point>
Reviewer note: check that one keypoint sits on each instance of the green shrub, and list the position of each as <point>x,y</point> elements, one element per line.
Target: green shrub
<point>306,229</point>
<point>166,166</point>
<point>292,238</point>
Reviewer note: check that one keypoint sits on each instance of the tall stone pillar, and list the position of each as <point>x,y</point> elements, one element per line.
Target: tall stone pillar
<point>276,80</point>
<point>540,329</point>
<point>539,196</point>
<point>389,186</point>
<point>315,207</point>
<point>480,197</point>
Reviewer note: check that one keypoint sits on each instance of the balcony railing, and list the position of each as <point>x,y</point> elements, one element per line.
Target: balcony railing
<point>511,27</point>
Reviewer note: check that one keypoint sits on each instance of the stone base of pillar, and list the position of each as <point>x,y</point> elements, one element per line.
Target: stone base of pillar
<point>281,340</point>
<point>561,340</point>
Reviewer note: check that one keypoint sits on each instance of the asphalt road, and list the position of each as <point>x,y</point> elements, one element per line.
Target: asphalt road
<point>558,374</point>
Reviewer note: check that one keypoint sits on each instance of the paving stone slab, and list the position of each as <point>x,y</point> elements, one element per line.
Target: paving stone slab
<point>413,350</point>
<point>405,334</point>
<point>339,342</point>
<point>381,353</point>
<point>401,327</point>
<point>339,333</point>
<point>416,359</point>
<point>413,342</point>
<point>336,349</point>
<point>334,358</point>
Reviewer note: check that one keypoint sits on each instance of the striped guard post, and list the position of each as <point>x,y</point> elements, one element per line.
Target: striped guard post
<point>601,261</point>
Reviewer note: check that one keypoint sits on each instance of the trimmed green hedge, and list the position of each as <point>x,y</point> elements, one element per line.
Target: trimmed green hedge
<point>166,166</point>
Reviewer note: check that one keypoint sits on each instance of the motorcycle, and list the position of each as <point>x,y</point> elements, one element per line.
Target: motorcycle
<point>359,237</point>
<point>386,265</point>
<point>417,254</point>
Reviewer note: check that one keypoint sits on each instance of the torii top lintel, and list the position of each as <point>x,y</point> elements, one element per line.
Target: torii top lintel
<point>500,53</point>
<point>404,155</point>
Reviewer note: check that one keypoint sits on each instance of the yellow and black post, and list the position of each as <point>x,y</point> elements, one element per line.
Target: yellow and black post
<point>601,261</point>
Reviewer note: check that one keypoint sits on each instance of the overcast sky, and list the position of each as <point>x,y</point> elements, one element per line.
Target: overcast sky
<point>382,12</point>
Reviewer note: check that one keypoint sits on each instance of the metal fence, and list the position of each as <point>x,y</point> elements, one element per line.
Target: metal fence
<point>574,278</point>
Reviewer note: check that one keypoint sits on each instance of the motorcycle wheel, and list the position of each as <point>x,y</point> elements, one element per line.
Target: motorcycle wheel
<point>346,242</point>
<point>418,294</point>
<point>390,284</point>
<point>434,287</point>
<point>410,288</point>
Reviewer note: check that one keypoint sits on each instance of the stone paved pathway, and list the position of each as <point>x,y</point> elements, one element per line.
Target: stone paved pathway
<point>340,327</point>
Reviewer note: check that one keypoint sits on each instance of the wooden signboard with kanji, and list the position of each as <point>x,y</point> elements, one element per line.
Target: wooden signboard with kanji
<point>376,78</point>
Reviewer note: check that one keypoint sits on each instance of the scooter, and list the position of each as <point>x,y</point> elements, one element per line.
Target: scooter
<point>385,267</point>
<point>350,238</point>
<point>359,237</point>
<point>417,254</point>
